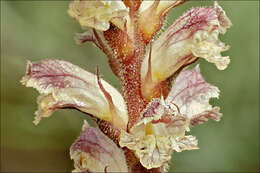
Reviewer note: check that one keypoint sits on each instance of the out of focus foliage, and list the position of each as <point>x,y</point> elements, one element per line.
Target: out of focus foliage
<point>35,30</point>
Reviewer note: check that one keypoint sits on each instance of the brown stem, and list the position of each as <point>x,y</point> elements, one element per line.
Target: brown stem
<point>130,78</point>
<point>130,69</point>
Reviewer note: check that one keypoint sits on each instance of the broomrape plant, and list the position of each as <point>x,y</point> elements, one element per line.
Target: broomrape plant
<point>141,127</point>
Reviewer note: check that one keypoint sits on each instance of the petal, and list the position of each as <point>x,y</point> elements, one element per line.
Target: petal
<point>64,85</point>
<point>95,152</point>
<point>192,93</point>
<point>195,34</point>
<point>147,150</point>
<point>98,14</point>
<point>185,143</point>
<point>205,116</point>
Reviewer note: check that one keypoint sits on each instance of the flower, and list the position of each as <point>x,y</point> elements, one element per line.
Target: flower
<point>64,85</point>
<point>162,125</point>
<point>140,128</point>
<point>98,14</point>
<point>195,34</point>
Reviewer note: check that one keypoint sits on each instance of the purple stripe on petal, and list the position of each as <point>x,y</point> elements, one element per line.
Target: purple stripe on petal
<point>192,94</point>
<point>95,152</point>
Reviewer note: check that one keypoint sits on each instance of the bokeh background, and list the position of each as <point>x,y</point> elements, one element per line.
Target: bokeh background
<point>35,30</point>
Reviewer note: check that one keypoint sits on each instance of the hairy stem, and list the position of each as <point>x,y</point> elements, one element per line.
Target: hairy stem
<point>130,78</point>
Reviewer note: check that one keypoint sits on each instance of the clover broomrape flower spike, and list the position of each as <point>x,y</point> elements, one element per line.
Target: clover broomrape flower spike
<point>161,100</point>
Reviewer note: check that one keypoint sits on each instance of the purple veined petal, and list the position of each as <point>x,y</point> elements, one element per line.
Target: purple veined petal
<point>205,116</point>
<point>95,152</point>
<point>64,85</point>
<point>193,35</point>
<point>191,93</point>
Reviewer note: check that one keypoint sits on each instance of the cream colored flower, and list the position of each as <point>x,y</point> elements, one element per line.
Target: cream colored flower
<point>195,34</point>
<point>64,85</point>
<point>162,126</point>
<point>157,134</point>
<point>98,14</point>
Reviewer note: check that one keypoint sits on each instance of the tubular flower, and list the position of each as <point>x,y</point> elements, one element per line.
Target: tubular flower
<point>195,34</point>
<point>140,128</point>
<point>64,85</point>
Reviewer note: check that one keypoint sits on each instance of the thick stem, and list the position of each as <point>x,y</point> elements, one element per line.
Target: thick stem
<point>130,78</point>
<point>130,75</point>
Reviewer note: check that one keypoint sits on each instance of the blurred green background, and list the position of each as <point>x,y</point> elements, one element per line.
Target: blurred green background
<point>35,30</point>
